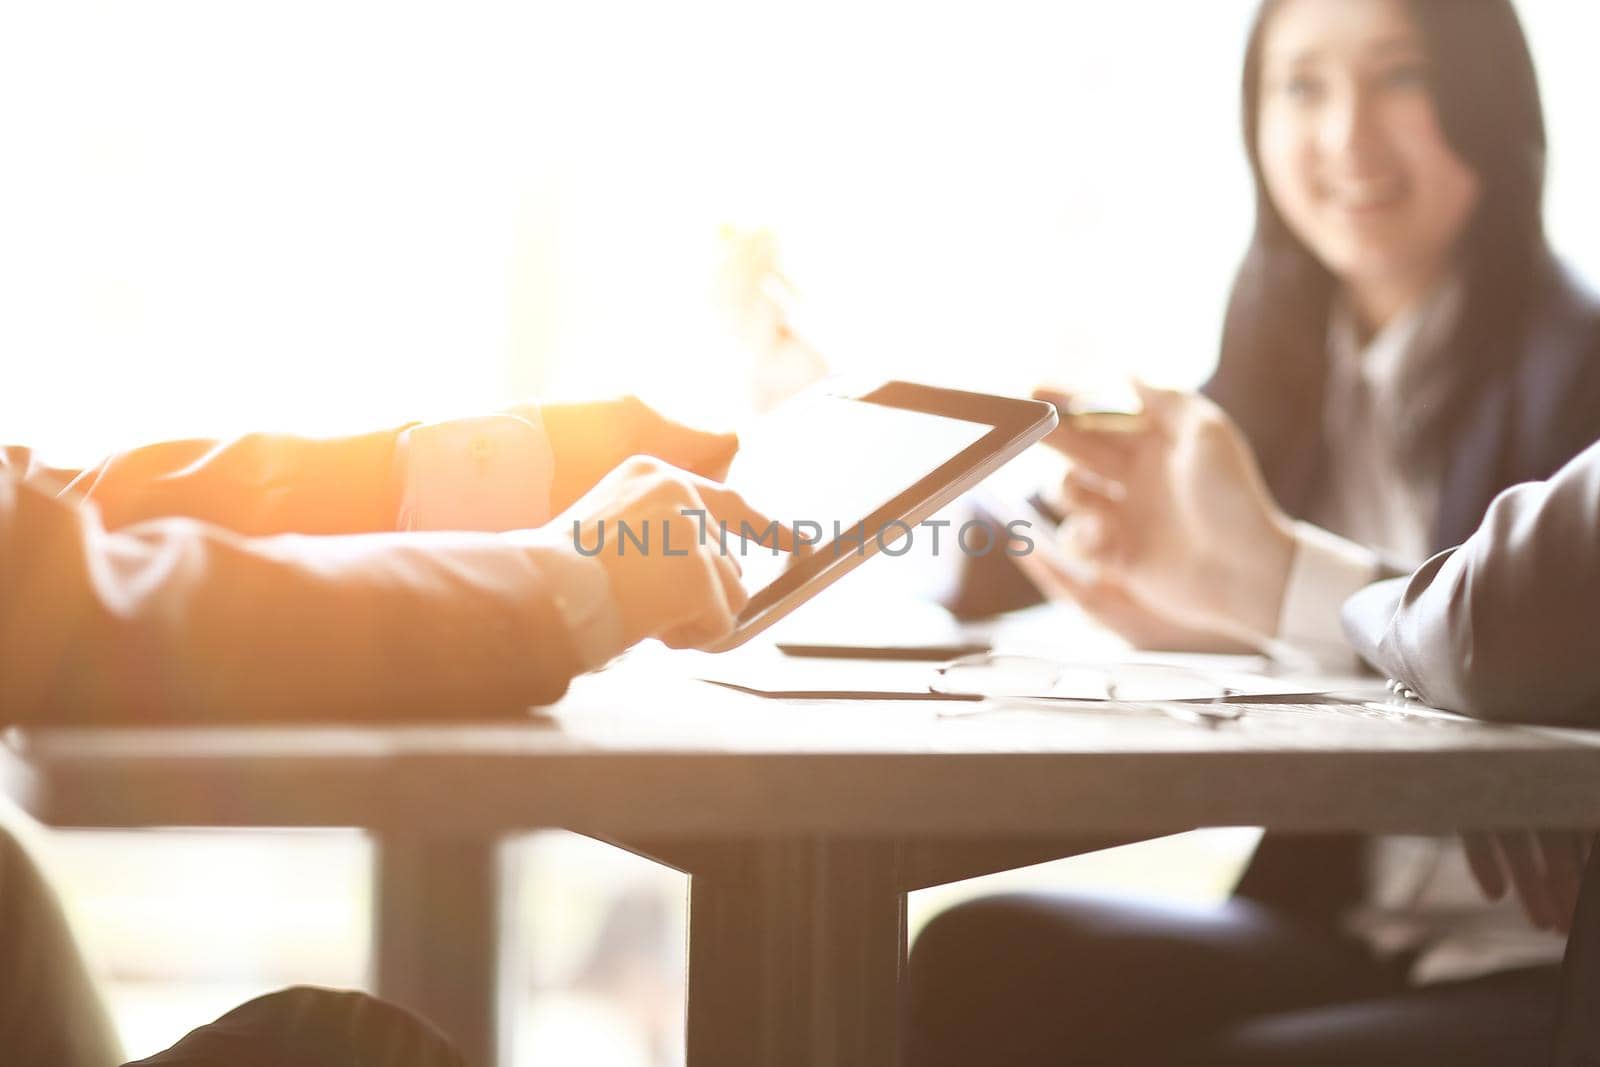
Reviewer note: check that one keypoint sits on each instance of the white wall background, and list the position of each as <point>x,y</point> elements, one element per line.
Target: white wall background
<point>312,215</point>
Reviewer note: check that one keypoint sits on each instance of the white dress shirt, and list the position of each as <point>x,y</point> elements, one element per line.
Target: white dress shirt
<point>493,473</point>
<point>1380,502</point>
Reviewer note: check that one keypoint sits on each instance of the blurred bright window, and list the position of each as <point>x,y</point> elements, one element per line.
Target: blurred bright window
<point>325,215</point>
<point>317,215</point>
<point>183,925</point>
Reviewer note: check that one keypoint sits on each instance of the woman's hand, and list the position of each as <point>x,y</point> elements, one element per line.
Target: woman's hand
<point>1544,867</point>
<point>589,440</point>
<point>1175,516</point>
<point>1114,608</point>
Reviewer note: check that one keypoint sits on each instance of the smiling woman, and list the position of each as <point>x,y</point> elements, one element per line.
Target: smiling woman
<point>1354,158</point>
<point>1401,345</point>
<point>1382,168</point>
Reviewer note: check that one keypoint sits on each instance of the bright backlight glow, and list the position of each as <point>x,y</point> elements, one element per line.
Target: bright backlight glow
<point>317,216</point>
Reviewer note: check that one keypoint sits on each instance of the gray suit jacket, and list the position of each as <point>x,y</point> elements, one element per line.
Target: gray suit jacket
<point>1506,626</point>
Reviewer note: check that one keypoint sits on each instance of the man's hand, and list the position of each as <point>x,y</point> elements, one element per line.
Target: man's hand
<point>588,440</point>
<point>682,588</point>
<point>1544,867</point>
<point>1177,517</point>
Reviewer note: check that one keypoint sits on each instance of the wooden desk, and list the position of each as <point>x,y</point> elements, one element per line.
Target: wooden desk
<point>803,825</point>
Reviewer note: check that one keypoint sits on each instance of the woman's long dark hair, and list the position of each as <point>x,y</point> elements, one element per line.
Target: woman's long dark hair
<point>1273,364</point>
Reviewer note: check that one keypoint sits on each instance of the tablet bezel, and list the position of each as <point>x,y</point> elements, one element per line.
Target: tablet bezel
<point>1013,423</point>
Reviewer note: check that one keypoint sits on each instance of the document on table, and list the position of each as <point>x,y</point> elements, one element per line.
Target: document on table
<point>764,671</point>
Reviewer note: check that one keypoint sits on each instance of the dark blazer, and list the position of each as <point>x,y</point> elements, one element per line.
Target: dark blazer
<point>164,585</point>
<point>1516,415</point>
<point>1524,404</point>
<point>1526,401</point>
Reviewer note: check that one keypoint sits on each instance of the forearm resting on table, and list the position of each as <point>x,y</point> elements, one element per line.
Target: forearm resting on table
<point>175,619</point>
<point>1504,626</point>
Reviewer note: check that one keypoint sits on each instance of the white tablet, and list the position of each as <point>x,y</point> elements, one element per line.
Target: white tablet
<point>856,471</point>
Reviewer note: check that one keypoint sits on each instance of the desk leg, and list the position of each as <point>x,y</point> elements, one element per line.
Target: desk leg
<point>437,935</point>
<point>796,950</point>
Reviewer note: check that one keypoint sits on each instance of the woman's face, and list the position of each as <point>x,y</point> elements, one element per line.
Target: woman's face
<point>1350,144</point>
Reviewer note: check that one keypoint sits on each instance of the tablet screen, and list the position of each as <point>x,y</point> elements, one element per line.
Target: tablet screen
<point>824,465</point>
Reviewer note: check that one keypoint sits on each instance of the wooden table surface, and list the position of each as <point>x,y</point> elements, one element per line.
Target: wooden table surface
<point>803,824</point>
<point>649,751</point>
